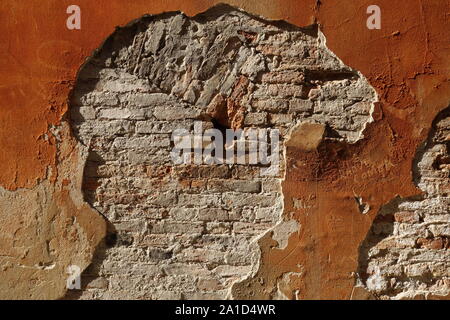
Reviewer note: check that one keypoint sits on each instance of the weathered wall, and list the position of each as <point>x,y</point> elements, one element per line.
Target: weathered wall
<point>406,61</point>
<point>189,231</point>
<point>47,228</point>
<point>405,253</point>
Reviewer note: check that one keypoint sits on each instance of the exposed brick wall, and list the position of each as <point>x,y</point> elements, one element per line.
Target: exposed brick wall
<point>405,254</point>
<point>190,231</point>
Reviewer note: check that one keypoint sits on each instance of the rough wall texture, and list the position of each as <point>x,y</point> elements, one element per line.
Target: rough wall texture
<point>407,62</point>
<point>43,233</point>
<point>405,254</point>
<point>190,231</point>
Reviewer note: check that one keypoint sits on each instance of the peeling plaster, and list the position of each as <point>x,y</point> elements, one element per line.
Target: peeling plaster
<point>407,65</point>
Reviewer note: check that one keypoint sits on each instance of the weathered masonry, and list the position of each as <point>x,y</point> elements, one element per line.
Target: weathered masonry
<point>191,231</point>
<point>405,254</point>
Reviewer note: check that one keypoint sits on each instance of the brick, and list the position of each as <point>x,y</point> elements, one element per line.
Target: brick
<point>149,141</point>
<point>183,213</point>
<point>218,228</point>
<point>280,119</point>
<point>249,228</point>
<point>161,126</point>
<point>114,114</point>
<point>234,185</point>
<point>406,217</point>
<point>286,76</point>
<point>271,105</point>
<point>213,214</point>
<point>175,113</point>
<point>298,106</point>
<point>241,200</point>
<point>255,119</point>
<point>177,227</point>
<point>148,99</point>
<point>199,200</point>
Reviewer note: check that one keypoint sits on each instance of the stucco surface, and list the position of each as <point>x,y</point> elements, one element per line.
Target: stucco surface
<point>407,62</point>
